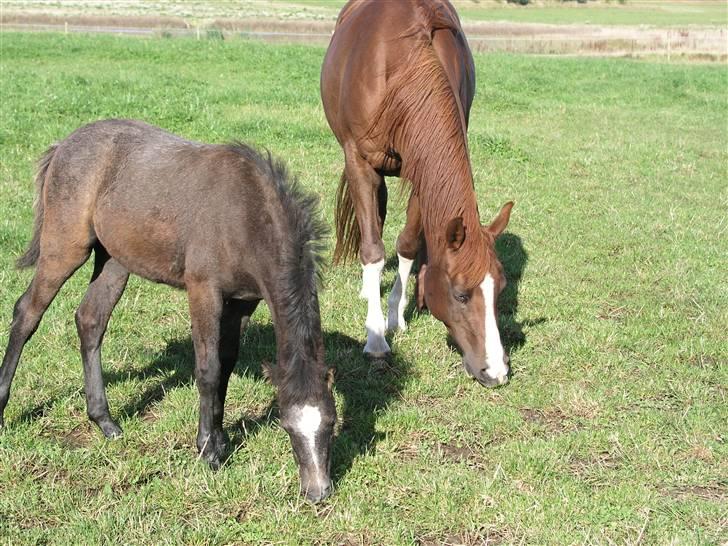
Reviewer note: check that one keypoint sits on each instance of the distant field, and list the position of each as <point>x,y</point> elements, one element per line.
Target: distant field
<point>631,12</point>
<point>612,429</point>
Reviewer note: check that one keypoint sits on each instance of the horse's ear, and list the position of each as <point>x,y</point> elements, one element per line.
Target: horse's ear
<point>497,226</point>
<point>455,233</point>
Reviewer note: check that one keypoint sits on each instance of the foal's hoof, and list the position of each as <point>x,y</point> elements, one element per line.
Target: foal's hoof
<point>109,428</point>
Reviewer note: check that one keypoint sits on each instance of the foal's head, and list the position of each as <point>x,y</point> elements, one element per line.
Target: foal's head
<point>467,302</point>
<point>309,421</point>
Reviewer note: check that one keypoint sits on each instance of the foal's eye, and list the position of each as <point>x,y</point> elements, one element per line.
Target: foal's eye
<point>462,298</point>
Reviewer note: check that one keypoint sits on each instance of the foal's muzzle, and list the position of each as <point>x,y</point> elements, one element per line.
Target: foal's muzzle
<point>318,494</point>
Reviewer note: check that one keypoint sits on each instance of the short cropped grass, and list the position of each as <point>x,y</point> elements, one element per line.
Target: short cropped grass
<point>613,428</point>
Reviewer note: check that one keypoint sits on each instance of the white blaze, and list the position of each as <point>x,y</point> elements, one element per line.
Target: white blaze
<point>494,353</point>
<point>371,276</point>
<point>398,298</point>
<point>308,421</point>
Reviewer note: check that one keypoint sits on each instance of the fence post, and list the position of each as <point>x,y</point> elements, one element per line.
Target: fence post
<point>669,46</point>
<point>65,27</point>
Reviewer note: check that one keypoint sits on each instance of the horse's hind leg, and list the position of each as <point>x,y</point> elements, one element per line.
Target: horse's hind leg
<point>106,287</point>
<point>52,270</point>
<point>408,244</point>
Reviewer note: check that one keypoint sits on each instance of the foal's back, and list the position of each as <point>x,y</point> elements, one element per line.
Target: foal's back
<point>156,202</point>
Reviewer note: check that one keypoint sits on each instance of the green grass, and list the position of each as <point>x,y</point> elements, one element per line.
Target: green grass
<point>612,429</point>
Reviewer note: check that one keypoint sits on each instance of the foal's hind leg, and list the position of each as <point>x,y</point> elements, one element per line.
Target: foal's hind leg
<point>368,194</point>
<point>51,272</point>
<point>106,287</point>
<point>408,244</point>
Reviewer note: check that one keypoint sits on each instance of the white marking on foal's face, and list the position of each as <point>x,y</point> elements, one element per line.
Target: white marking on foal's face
<point>307,424</point>
<point>495,357</point>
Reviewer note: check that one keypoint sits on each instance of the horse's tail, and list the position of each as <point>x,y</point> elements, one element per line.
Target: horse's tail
<point>348,236</point>
<point>30,257</point>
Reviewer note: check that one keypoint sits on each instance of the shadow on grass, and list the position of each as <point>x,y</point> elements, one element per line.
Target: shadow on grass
<point>365,386</point>
<point>514,258</point>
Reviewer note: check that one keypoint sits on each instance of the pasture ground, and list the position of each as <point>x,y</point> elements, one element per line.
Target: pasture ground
<point>612,429</point>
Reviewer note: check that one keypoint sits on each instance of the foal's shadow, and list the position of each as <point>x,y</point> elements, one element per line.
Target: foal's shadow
<point>366,387</point>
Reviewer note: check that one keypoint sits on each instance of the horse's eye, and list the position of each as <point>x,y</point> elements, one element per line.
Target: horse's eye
<point>462,298</point>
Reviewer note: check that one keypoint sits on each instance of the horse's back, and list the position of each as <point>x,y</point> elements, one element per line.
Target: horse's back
<point>372,42</point>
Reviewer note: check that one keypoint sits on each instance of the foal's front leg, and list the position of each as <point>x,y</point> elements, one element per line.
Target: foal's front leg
<point>206,308</point>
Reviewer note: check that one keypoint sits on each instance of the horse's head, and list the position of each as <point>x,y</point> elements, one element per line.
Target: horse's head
<point>310,425</point>
<point>469,306</point>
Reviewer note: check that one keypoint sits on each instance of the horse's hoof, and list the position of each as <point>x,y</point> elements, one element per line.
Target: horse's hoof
<point>380,355</point>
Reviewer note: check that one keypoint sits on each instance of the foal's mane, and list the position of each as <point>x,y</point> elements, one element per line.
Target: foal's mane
<point>299,277</point>
<point>420,116</point>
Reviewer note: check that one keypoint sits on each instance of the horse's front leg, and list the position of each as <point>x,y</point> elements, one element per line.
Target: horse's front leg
<point>369,197</point>
<point>206,310</point>
<point>408,244</point>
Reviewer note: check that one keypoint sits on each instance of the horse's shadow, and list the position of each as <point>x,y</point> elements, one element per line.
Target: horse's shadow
<point>514,258</point>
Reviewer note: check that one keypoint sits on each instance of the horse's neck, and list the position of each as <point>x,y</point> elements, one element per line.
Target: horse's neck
<point>442,179</point>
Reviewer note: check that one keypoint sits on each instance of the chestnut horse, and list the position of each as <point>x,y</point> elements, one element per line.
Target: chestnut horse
<point>220,221</point>
<point>397,84</point>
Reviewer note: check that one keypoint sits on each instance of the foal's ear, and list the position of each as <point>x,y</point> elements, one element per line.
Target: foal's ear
<point>497,226</point>
<point>330,374</point>
<point>455,233</point>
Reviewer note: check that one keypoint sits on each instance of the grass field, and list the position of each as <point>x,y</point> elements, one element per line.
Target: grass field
<point>629,12</point>
<point>612,429</point>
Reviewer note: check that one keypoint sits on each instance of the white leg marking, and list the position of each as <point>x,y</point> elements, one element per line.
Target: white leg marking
<point>371,276</point>
<point>308,421</point>
<point>494,353</point>
<point>398,298</point>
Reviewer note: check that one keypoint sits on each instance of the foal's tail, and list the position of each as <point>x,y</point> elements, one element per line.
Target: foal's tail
<point>348,236</point>
<point>30,257</point>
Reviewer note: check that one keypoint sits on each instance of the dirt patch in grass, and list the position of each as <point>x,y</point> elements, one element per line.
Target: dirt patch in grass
<point>77,438</point>
<point>553,420</point>
<point>711,492</point>
<point>482,537</point>
<point>590,468</point>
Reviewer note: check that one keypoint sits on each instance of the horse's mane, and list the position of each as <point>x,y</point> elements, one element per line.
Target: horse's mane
<point>421,118</point>
<point>300,277</point>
